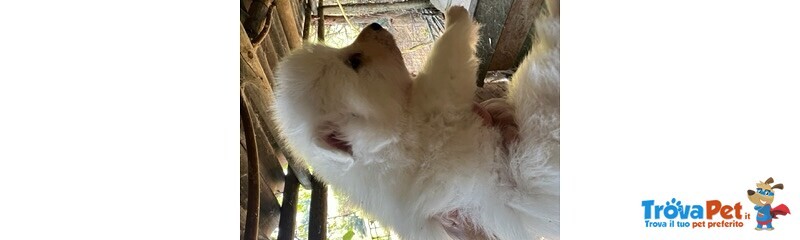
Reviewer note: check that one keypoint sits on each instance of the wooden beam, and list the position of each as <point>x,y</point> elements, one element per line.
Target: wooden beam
<point>242,219</point>
<point>253,80</point>
<point>289,207</point>
<point>245,4</point>
<point>269,209</point>
<point>321,23</point>
<point>243,178</point>
<point>515,31</point>
<point>242,16</point>
<point>317,221</point>
<point>263,210</point>
<point>257,16</point>
<point>278,37</point>
<point>265,64</point>
<point>271,170</point>
<point>269,50</point>
<point>492,14</point>
<point>253,195</point>
<point>307,19</point>
<point>355,9</point>
<point>262,34</point>
<point>300,171</point>
<point>270,212</point>
<point>297,7</point>
<point>289,22</point>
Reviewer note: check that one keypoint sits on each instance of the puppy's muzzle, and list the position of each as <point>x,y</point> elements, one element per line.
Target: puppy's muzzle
<point>375,26</point>
<point>376,33</point>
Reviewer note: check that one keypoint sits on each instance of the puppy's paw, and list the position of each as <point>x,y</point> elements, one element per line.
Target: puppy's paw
<point>456,14</point>
<point>501,114</point>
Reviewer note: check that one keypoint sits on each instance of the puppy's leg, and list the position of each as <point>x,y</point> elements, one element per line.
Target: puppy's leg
<point>448,77</point>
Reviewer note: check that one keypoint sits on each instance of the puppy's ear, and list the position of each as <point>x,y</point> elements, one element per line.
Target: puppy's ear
<point>769,181</point>
<point>778,186</point>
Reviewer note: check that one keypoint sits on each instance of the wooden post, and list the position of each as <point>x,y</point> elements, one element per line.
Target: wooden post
<point>317,221</point>
<point>270,168</point>
<point>269,50</point>
<point>253,195</point>
<point>307,19</point>
<point>297,8</point>
<point>289,22</point>
<point>278,37</point>
<point>270,211</point>
<point>254,81</point>
<point>492,15</point>
<point>257,16</point>
<point>289,207</point>
<point>300,171</point>
<point>375,8</point>
<point>512,38</point>
<point>321,23</point>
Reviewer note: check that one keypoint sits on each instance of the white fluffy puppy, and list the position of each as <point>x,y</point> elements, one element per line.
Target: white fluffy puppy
<point>413,153</point>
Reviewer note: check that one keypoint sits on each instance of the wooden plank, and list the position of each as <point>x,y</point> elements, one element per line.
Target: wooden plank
<point>317,220</point>
<point>492,14</point>
<point>264,32</point>
<point>242,16</point>
<point>263,210</point>
<point>352,9</point>
<point>242,214</point>
<point>297,8</point>
<point>278,37</point>
<point>243,177</point>
<point>515,31</point>
<point>263,58</point>
<point>269,209</point>
<point>271,170</point>
<point>303,176</point>
<point>253,195</point>
<point>307,19</point>
<point>289,207</point>
<point>253,77</point>
<point>289,23</point>
<point>321,23</point>
<point>271,54</point>
<point>257,16</point>
<point>300,170</point>
<point>270,212</point>
<point>248,56</point>
<point>245,4</point>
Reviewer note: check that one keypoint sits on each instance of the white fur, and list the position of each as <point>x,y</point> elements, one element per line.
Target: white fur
<point>418,150</point>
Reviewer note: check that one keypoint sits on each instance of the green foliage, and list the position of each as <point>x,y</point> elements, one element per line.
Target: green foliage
<point>349,235</point>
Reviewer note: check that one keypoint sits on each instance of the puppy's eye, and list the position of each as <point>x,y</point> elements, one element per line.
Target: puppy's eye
<point>354,61</point>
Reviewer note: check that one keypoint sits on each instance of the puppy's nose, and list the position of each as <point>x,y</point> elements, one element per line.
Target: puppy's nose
<point>375,26</point>
<point>750,192</point>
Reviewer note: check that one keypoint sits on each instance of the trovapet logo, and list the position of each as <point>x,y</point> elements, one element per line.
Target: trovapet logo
<point>715,213</point>
<point>675,214</point>
<point>763,197</point>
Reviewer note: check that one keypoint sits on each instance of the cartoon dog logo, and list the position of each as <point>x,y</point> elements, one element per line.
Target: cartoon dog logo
<point>762,198</point>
